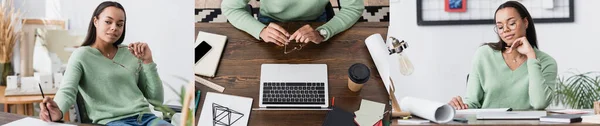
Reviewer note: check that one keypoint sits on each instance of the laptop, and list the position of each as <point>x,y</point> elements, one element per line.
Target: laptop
<point>293,86</point>
<point>511,115</point>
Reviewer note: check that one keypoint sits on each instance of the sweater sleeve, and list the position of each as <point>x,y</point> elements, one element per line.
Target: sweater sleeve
<point>344,19</point>
<point>150,83</point>
<point>67,93</point>
<point>474,97</point>
<point>542,76</point>
<point>240,18</point>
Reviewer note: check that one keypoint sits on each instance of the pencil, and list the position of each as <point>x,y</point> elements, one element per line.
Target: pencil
<point>43,97</point>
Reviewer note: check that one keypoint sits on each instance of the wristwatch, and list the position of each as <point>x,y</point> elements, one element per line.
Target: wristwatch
<point>323,33</point>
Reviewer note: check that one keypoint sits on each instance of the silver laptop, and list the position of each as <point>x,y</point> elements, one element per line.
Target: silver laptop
<point>293,86</point>
<point>513,115</point>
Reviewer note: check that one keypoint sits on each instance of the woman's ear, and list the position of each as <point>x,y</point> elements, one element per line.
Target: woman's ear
<point>95,21</point>
<point>526,22</point>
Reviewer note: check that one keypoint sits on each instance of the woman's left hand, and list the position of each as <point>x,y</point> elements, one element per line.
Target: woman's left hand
<point>307,34</point>
<point>141,51</point>
<point>523,47</point>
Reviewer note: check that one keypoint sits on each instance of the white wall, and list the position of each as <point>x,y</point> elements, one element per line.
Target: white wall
<point>167,26</point>
<point>442,54</point>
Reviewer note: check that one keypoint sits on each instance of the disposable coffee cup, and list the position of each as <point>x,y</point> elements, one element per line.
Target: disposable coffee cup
<point>358,75</point>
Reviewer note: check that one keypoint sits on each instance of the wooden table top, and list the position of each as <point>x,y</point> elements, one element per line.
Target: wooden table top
<point>239,72</point>
<point>239,69</point>
<point>20,99</point>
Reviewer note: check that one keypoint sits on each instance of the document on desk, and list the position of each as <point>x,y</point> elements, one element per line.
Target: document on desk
<point>475,111</point>
<point>435,111</point>
<point>223,109</point>
<point>28,121</point>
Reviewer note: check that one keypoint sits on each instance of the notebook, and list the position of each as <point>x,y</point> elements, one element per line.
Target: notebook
<point>563,118</point>
<point>207,66</point>
<point>591,119</point>
<point>511,115</point>
<point>339,117</point>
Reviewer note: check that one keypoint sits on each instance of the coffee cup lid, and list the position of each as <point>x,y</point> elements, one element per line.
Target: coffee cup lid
<point>359,73</point>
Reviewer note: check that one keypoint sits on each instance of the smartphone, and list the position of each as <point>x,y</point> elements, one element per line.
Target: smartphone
<point>201,50</point>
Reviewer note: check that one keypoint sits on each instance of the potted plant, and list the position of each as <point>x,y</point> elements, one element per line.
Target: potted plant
<point>578,91</point>
<point>10,33</point>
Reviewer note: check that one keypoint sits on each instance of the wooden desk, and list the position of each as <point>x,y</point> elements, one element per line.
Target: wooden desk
<point>239,69</point>
<point>24,103</point>
<point>9,117</point>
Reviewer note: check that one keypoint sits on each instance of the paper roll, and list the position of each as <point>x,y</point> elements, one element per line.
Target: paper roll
<point>378,50</point>
<point>430,110</point>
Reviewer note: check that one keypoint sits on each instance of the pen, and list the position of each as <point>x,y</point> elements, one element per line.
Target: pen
<point>461,120</point>
<point>333,101</point>
<point>43,97</point>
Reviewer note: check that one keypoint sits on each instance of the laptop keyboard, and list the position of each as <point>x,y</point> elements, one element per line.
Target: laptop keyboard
<point>293,93</point>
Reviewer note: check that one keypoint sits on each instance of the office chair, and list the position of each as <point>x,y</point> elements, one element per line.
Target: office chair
<point>328,9</point>
<point>80,110</point>
<point>467,79</point>
<point>83,117</point>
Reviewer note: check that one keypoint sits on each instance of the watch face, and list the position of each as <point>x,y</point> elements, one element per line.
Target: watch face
<point>323,32</point>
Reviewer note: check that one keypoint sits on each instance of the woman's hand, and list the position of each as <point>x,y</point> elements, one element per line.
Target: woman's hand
<point>523,47</point>
<point>141,51</point>
<point>307,34</point>
<point>55,113</point>
<point>457,103</point>
<point>275,34</point>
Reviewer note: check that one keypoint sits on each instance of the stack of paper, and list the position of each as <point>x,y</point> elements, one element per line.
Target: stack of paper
<point>591,119</point>
<point>369,113</point>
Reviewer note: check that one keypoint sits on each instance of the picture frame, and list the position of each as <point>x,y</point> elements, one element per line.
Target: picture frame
<point>455,5</point>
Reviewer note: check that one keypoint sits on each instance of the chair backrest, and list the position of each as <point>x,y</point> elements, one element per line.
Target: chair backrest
<point>467,79</point>
<point>80,110</point>
<point>329,11</point>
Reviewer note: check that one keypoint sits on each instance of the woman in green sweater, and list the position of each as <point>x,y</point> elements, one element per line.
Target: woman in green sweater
<point>292,10</point>
<point>512,73</point>
<point>116,81</point>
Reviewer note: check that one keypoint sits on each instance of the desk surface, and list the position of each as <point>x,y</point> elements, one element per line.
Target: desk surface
<point>239,69</point>
<point>20,99</point>
<point>239,72</point>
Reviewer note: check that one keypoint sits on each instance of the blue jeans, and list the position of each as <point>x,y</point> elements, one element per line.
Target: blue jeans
<point>267,20</point>
<point>140,120</point>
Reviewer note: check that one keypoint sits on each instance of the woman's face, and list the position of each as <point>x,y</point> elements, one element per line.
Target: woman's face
<point>510,25</point>
<point>109,24</point>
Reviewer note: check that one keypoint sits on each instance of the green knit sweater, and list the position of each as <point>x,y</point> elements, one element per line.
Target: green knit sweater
<point>110,91</point>
<point>493,85</point>
<point>292,10</point>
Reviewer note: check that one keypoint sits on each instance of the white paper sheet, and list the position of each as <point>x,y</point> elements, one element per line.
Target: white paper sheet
<point>238,107</point>
<point>370,112</point>
<point>430,110</point>
<point>475,111</point>
<point>28,121</point>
